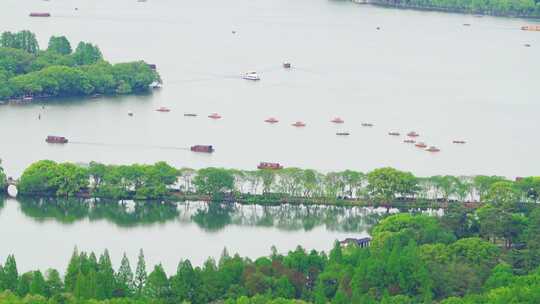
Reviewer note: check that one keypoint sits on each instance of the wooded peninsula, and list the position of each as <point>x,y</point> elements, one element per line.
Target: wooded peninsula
<point>26,72</point>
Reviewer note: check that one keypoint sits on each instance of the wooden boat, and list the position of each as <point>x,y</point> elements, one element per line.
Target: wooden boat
<point>298,124</point>
<point>535,28</point>
<point>40,14</point>
<point>343,133</point>
<point>271,166</point>
<point>413,134</point>
<point>409,141</point>
<point>337,120</point>
<point>367,124</point>
<point>459,142</point>
<point>202,148</point>
<point>394,133</point>
<point>287,65</point>
<point>271,120</point>
<point>56,139</point>
<point>214,116</point>
<point>421,145</point>
<point>190,114</point>
<point>433,149</point>
<point>163,109</point>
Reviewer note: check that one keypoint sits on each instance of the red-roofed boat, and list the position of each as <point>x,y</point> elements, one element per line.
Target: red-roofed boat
<point>413,134</point>
<point>433,149</point>
<point>271,120</point>
<point>298,124</point>
<point>272,166</point>
<point>56,140</point>
<point>337,120</point>
<point>40,14</point>
<point>202,148</point>
<point>214,116</point>
<point>163,109</point>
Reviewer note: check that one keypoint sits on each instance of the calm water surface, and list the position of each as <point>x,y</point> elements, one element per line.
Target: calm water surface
<point>422,71</point>
<point>43,234</point>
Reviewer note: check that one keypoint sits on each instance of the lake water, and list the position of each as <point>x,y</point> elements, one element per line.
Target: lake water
<point>421,71</point>
<point>42,234</point>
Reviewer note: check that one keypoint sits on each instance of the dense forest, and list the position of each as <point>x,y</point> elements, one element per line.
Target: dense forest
<point>158,181</point>
<point>519,8</point>
<point>460,257</point>
<point>27,71</point>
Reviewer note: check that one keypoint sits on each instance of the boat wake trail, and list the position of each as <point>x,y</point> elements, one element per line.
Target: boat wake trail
<point>128,145</point>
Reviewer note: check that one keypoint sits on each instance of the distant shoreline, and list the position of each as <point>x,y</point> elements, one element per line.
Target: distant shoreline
<point>456,10</point>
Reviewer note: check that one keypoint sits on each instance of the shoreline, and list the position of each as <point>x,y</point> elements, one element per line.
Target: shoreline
<point>271,200</point>
<point>456,10</point>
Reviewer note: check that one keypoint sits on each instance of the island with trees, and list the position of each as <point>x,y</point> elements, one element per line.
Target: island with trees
<point>510,8</point>
<point>27,72</point>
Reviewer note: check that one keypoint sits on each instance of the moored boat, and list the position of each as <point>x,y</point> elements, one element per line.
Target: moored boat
<point>56,139</point>
<point>190,114</point>
<point>267,165</point>
<point>40,14</point>
<point>409,141</point>
<point>251,76</point>
<point>393,133</point>
<point>298,124</point>
<point>421,145</point>
<point>433,149</point>
<point>413,134</point>
<point>286,65</point>
<point>337,120</point>
<point>367,124</point>
<point>214,116</point>
<point>163,109</point>
<point>130,113</point>
<point>459,142</point>
<point>271,120</point>
<point>202,148</point>
<point>343,133</point>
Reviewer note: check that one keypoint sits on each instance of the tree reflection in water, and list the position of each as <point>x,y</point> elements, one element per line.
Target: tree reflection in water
<point>208,216</point>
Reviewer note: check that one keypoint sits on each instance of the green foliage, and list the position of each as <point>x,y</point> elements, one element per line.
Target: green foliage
<point>23,40</point>
<point>386,183</point>
<point>27,71</point>
<point>59,45</point>
<point>422,229</point>
<point>51,178</point>
<point>87,53</point>
<point>3,180</point>
<point>214,180</point>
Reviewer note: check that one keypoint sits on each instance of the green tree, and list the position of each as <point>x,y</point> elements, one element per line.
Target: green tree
<point>60,45</point>
<point>157,284</point>
<point>124,278</point>
<point>385,184</point>
<point>105,277</point>
<point>87,53</point>
<point>140,274</point>
<point>11,275</point>
<point>213,181</point>
<point>38,286</point>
